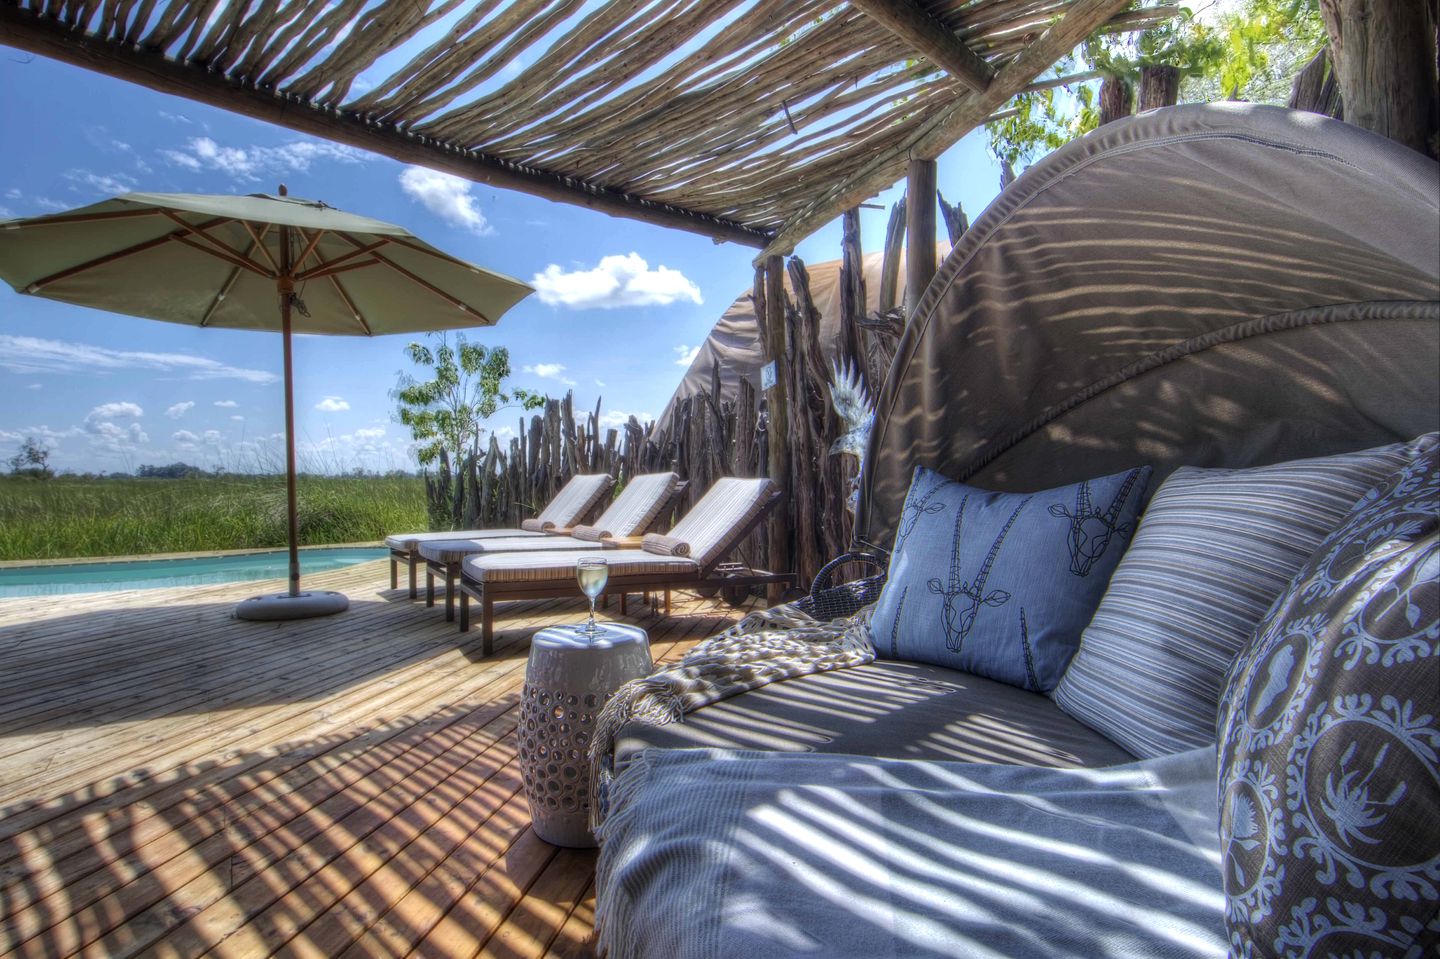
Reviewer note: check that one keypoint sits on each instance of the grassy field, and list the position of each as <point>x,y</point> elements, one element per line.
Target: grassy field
<point>66,517</point>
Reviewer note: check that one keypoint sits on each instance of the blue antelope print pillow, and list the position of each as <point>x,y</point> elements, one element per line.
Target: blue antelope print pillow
<point>1330,743</point>
<point>1001,584</point>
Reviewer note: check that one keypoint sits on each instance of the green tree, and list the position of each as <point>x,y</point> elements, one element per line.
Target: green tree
<point>33,459</point>
<point>447,411</point>
<point>1246,51</point>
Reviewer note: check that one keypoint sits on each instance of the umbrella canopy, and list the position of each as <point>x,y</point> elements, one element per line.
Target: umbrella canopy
<point>253,263</point>
<point>215,260</point>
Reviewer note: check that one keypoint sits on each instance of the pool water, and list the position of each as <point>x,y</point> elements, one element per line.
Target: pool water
<point>196,571</point>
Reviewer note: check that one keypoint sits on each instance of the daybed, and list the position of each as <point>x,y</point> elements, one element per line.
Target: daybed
<point>1246,292</point>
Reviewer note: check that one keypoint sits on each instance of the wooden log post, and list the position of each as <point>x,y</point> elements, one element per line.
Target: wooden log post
<point>1117,99</point>
<point>1159,87</point>
<point>778,428</point>
<point>919,233</point>
<point>956,222</point>
<point>1384,56</point>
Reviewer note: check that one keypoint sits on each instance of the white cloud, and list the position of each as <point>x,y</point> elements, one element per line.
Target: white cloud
<point>226,404</point>
<point>687,355</point>
<point>549,371</point>
<point>446,196</point>
<point>29,354</point>
<point>370,432</point>
<point>180,409</point>
<point>107,183</point>
<point>185,440</point>
<point>250,163</point>
<point>332,404</point>
<point>599,382</point>
<point>110,435</point>
<point>618,281</point>
<point>620,418</point>
<point>238,419</point>
<point>175,117</point>
<point>114,411</point>
<point>503,432</point>
<point>34,386</point>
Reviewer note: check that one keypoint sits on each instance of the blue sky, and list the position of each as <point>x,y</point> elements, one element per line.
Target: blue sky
<point>622,302</point>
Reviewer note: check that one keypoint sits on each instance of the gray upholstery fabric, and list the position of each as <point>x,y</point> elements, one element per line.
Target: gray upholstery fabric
<point>1220,285</point>
<point>890,710</point>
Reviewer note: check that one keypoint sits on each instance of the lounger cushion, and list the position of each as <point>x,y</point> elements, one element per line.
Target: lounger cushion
<point>1215,549</point>
<point>890,710</point>
<point>638,504</point>
<point>716,523</point>
<point>1002,584</point>
<point>590,534</point>
<point>576,499</point>
<point>409,542</point>
<point>665,545</point>
<point>1329,787</point>
<point>456,550</point>
<point>559,567</point>
<point>536,525</point>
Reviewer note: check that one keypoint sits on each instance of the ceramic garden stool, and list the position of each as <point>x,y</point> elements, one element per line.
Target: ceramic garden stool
<point>569,679</point>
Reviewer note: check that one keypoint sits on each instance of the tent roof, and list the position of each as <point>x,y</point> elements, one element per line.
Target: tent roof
<point>748,120</point>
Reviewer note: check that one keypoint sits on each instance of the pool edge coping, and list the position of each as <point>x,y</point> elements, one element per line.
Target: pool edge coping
<point>202,554</point>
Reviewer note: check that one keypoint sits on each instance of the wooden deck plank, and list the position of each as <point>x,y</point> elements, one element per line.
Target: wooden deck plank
<point>346,785</point>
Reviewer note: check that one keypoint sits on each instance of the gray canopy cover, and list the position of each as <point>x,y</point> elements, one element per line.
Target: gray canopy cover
<point>1217,285</point>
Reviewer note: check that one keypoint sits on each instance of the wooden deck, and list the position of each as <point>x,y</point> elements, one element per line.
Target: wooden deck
<point>177,782</point>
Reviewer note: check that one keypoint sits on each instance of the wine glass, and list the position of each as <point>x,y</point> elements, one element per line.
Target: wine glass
<point>592,572</point>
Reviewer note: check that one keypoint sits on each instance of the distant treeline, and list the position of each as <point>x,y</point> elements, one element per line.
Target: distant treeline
<point>186,471</point>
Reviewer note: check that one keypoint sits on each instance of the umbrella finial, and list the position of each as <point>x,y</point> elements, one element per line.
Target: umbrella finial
<point>283,191</point>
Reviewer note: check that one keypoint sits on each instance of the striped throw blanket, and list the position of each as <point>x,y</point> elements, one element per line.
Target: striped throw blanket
<point>764,647</point>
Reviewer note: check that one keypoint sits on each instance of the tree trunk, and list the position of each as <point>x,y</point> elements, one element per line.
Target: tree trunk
<point>1159,87</point>
<point>1117,99</point>
<point>1384,58</point>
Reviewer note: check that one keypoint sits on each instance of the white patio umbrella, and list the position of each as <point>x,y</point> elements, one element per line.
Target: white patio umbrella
<point>253,263</point>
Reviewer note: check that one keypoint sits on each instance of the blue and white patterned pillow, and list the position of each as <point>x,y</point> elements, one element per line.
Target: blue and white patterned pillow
<point>1001,584</point>
<point>1330,743</point>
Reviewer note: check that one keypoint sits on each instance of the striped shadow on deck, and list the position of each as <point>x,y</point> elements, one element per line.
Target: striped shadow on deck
<point>174,781</point>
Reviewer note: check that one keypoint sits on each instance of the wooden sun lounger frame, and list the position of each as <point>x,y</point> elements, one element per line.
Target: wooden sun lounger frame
<point>709,575</point>
<point>450,572</point>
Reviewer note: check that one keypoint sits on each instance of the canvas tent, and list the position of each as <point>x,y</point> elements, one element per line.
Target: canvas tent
<point>1213,284</point>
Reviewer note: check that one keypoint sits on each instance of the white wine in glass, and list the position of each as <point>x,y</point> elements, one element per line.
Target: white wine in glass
<point>592,572</point>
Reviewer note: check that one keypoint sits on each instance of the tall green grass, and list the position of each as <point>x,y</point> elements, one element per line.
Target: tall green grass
<point>70,517</point>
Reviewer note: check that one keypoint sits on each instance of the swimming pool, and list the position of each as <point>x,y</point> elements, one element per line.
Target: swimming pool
<point>192,571</point>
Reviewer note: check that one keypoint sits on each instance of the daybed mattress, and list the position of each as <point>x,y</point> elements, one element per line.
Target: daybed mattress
<point>891,710</point>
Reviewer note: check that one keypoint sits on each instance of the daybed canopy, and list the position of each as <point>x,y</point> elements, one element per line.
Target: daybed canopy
<point>1212,285</point>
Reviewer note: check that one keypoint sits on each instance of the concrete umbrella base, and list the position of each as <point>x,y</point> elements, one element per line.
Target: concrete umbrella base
<point>278,606</point>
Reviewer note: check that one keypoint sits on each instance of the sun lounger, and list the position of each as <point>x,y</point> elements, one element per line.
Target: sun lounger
<point>633,513</point>
<point>689,556</point>
<point>575,501</point>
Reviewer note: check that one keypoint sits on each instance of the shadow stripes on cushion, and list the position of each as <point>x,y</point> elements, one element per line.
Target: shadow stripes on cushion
<point>575,500</point>
<point>1214,550</point>
<point>715,524</point>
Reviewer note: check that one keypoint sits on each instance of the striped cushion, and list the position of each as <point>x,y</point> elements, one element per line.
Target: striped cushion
<point>455,550</point>
<point>638,504</point>
<point>576,499</point>
<point>559,567</point>
<point>664,545</point>
<point>535,525</point>
<point>716,523</point>
<point>590,534</point>
<point>408,542</point>
<point>1214,550</point>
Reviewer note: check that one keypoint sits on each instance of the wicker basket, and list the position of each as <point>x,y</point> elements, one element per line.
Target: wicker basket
<point>827,601</point>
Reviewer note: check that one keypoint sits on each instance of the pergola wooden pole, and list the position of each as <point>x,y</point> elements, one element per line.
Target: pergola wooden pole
<point>285,285</point>
<point>919,233</point>
<point>777,403</point>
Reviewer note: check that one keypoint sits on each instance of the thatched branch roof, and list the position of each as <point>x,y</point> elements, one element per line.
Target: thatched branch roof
<point>748,121</point>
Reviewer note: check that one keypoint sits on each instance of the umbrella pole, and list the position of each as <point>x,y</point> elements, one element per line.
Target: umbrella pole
<point>292,521</point>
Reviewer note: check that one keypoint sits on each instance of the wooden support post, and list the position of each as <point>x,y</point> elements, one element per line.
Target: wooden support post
<point>919,233</point>
<point>1159,87</point>
<point>1117,99</point>
<point>778,405</point>
<point>1384,56</point>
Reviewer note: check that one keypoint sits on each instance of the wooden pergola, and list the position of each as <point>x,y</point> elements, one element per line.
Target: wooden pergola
<point>749,121</point>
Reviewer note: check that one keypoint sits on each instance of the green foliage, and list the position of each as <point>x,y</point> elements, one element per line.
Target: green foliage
<point>466,387</point>
<point>33,460</point>
<point>1248,52</point>
<point>74,517</point>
